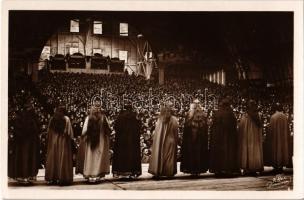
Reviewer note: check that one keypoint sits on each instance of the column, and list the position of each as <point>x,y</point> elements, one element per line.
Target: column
<point>161,74</point>
<point>29,67</point>
<point>224,78</point>
<point>87,63</point>
<point>35,72</point>
<point>221,77</point>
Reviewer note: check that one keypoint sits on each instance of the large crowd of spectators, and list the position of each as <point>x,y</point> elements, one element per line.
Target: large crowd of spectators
<point>78,91</point>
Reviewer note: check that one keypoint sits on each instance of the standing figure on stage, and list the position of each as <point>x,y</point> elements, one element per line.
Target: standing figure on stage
<point>59,159</point>
<point>250,141</point>
<point>223,142</point>
<point>194,158</point>
<point>278,140</point>
<point>163,162</point>
<point>127,158</point>
<point>96,133</point>
<point>26,160</point>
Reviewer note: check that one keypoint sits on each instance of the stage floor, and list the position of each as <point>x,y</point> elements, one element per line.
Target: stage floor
<point>207,181</point>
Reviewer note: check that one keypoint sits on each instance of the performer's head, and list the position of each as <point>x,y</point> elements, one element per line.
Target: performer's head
<point>278,107</point>
<point>252,110</point>
<point>166,111</point>
<point>95,112</point>
<point>225,104</point>
<point>57,123</point>
<point>29,104</point>
<point>94,125</point>
<point>59,111</point>
<point>252,106</point>
<point>195,105</point>
<point>128,105</point>
<point>194,108</point>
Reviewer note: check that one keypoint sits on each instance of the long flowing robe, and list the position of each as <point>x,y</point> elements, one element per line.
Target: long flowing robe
<point>250,143</point>
<point>59,159</point>
<point>127,158</point>
<point>26,160</point>
<point>194,152</point>
<point>278,141</point>
<point>223,143</point>
<point>97,161</point>
<point>164,148</point>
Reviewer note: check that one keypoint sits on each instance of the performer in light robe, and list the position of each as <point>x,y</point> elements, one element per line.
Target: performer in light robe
<point>59,159</point>
<point>96,132</point>
<point>278,140</point>
<point>250,141</point>
<point>164,148</point>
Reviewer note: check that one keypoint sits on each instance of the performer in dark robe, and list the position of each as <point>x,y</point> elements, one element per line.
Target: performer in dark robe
<point>26,160</point>
<point>164,148</point>
<point>278,140</point>
<point>96,135</point>
<point>59,161</point>
<point>250,141</point>
<point>127,158</point>
<point>223,142</point>
<point>194,152</point>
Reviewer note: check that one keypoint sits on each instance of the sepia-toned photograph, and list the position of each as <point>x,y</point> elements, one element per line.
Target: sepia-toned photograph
<point>150,100</point>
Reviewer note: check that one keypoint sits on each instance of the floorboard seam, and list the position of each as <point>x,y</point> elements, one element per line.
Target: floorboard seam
<point>116,185</point>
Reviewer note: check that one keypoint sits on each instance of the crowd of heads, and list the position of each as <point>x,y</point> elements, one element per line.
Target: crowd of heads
<point>78,91</point>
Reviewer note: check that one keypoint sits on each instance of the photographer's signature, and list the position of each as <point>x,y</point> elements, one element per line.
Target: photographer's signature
<point>280,182</point>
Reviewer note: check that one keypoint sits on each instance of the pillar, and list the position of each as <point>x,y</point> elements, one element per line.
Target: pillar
<point>161,74</point>
<point>35,72</point>
<point>223,77</point>
<point>29,66</point>
<point>88,63</point>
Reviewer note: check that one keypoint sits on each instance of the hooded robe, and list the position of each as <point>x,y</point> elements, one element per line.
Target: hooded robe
<point>25,161</point>
<point>223,142</point>
<point>164,148</point>
<point>194,152</point>
<point>278,141</point>
<point>250,143</point>
<point>127,154</point>
<point>59,159</point>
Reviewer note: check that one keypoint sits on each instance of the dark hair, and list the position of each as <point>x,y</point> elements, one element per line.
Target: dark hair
<point>57,123</point>
<point>128,107</point>
<point>278,107</point>
<point>165,113</point>
<point>94,126</point>
<point>253,113</point>
<point>93,131</point>
<point>225,104</point>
